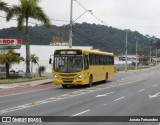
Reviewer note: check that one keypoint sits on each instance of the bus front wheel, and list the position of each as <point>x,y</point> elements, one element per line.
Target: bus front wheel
<point>90,81</point>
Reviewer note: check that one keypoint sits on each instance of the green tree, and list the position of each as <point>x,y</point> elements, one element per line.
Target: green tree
<point>10,58</point>
<point>25,10</point>
<point>34,60</point>
<point>3,6</point>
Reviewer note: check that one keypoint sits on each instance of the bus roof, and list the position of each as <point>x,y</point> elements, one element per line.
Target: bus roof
<point>95,51</point>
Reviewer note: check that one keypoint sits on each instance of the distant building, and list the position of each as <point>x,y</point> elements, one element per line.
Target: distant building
<point>129,58</point>
<point>58,41</point>
<point>120,61</point>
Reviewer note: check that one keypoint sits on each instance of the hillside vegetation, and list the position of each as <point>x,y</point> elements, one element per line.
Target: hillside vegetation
<point>99,36</point>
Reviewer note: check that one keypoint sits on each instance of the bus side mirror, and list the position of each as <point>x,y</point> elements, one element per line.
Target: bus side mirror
<point>50,61</point>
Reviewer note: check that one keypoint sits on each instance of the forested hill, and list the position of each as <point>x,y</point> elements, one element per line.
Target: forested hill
<point>99,36</point>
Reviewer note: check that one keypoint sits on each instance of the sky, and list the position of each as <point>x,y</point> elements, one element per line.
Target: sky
<point>137,15</point>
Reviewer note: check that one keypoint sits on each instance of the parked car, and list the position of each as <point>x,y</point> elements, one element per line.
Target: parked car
<point>12,72</point>
<point>19,73</point>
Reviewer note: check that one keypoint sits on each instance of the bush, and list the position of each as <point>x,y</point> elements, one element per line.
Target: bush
<point>41,70</point>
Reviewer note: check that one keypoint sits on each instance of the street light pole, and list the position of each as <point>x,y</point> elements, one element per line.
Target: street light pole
<point>82,15</point>
<point>70,26</point>
<point>150,53</point>
<point>136,51</point>
<point>126,52</point>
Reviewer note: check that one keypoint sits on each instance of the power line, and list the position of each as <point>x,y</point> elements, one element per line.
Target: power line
<point>37,23</point>
<point>17,20</point>
<point>91,12</point>
<point>60,20</point>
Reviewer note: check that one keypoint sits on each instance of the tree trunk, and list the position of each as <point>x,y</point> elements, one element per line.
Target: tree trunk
<point>27,50</point>
<point>31,66</point>
<point>7,70</point>
<point>39,72</point>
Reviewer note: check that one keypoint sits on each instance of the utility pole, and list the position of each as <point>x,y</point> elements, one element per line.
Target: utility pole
<point>156,55</point>
<point>136,51</point>
<point>155,43</point>
<point>150,53</point>
<point>70,26</point>
<point>126,52</point>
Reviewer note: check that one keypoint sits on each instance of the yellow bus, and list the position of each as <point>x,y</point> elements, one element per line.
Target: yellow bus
<point>81,67</point>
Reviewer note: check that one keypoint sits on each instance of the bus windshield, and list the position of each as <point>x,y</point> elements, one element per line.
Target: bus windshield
<point>68,63</point>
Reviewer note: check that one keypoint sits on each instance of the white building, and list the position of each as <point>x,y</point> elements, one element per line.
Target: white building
<point>43,52</point>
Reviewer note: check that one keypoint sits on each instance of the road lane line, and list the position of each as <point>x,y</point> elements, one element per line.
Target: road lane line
<point>119,98</point>
<point>110,93</point>
<point>81,112</point>
<point>69,96</point>
<point>155,85</point>
<point>102,95</point>
<point>155,95</point>
<point>141,90</point>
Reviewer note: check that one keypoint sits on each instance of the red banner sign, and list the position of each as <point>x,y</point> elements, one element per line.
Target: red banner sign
<point>11,41</point>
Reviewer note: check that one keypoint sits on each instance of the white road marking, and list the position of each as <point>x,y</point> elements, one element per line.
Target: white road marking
<point>71,94</point>
<point>101,95</point>
<point>104,104</point>
<point>155,85</point>
<point>105,94</point>
<point>128,82</point>
<point>141,90</point>
<point>155,95</point>
<point>110,93</point>
<point>81,112</point>
<point>119,98</point>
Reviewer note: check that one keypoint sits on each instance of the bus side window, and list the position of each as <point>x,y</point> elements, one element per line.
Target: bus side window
<point>90,59</point>
<point>86,62</point>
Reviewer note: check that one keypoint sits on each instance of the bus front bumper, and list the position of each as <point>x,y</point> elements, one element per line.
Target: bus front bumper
<point>74,82</point>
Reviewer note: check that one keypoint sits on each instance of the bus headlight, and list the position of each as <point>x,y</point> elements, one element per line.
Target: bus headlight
<point>56,77</point>
<point>80,76</point>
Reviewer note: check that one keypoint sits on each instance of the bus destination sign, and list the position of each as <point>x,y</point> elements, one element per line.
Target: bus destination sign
<point>68,52</point>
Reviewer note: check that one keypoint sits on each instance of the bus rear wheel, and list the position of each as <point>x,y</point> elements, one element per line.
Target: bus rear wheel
<point>90,81</point>
<point>106,79</point>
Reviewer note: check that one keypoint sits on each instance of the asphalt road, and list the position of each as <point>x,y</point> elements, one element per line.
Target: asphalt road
<point>128,94</point>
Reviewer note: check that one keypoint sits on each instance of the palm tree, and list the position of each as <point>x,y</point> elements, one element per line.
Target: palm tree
<point>34,59</point>
<point>3,6</point>
<point>10,58</point>
<point>25,10</point>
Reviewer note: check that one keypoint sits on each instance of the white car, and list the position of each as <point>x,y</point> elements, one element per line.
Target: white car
<point>19,73</point>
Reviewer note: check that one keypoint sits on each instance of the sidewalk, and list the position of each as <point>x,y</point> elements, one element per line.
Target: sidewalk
<point>24,84</point>
<point>149,68</point>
